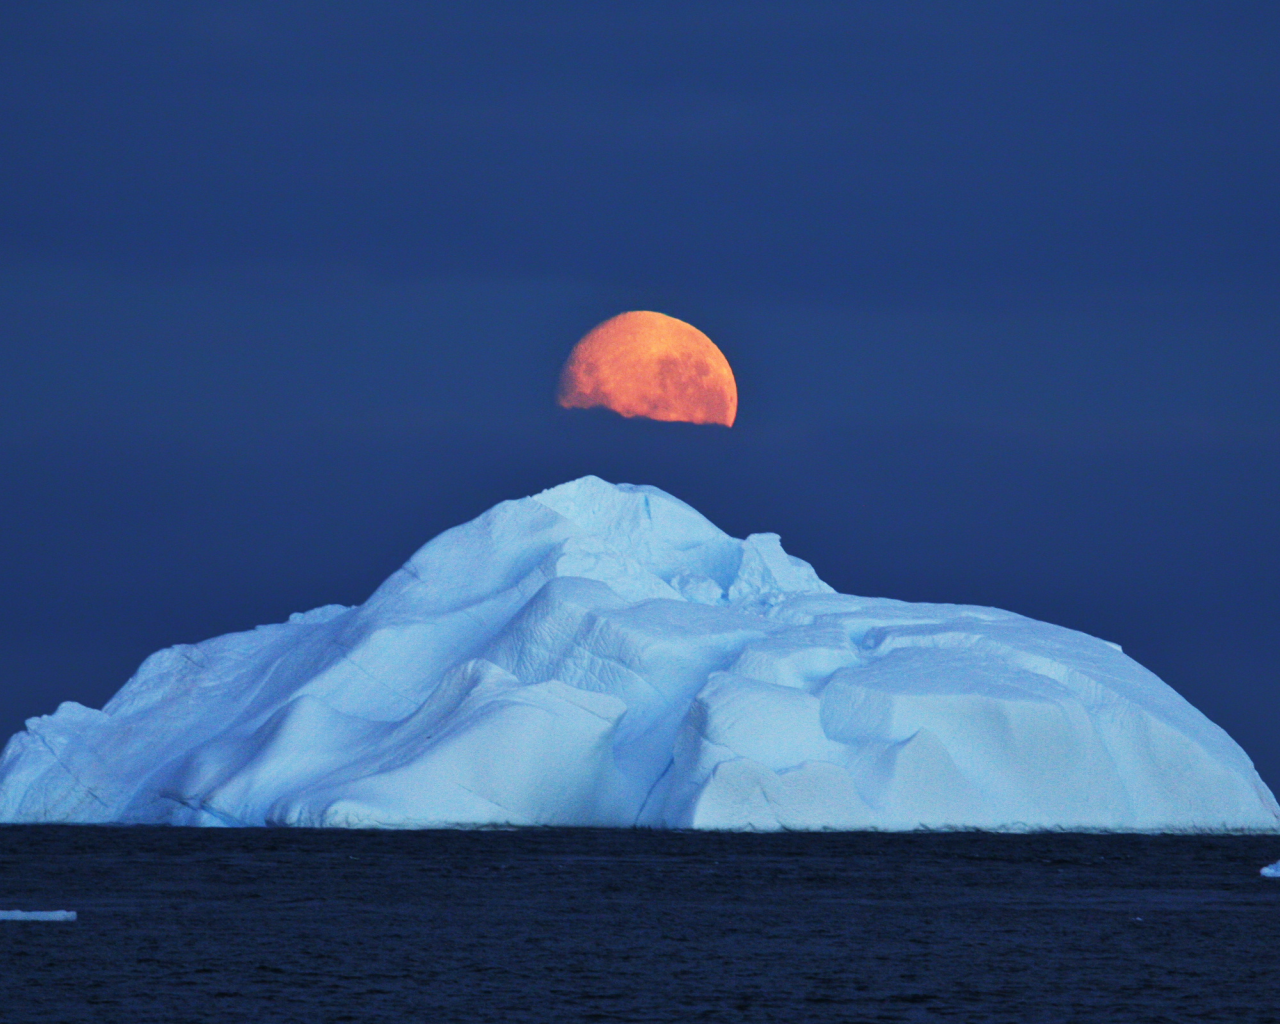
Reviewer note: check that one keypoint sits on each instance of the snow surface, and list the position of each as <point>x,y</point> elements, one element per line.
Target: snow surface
<point>604,655</point>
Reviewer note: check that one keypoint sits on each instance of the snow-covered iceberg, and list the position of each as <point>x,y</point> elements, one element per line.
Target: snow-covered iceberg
<point>604,655</point>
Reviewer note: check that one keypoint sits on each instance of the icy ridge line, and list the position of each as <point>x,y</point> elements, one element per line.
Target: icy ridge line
<point>602,654</point>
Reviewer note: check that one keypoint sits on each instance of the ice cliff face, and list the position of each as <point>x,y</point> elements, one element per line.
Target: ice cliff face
<point>604,655</point>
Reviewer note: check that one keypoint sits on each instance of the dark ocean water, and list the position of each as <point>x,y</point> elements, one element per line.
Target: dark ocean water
<point>190,925</point>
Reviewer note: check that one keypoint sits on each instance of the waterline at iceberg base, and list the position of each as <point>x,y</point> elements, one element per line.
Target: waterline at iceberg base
<point>601,654</point>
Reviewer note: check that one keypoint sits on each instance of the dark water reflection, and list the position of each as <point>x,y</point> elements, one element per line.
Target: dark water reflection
<point>181,925</point>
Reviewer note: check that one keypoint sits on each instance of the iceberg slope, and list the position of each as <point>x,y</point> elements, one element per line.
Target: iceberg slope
<point>603,655</point>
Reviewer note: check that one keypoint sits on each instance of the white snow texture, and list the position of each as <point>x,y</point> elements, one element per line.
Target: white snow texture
<point>604,655</point>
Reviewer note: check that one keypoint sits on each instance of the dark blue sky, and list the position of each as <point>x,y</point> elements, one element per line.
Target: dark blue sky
<point>285,289</point>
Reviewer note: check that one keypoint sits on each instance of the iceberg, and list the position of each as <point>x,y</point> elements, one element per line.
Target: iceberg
<point>603,655</point>
<point>1271,870</point>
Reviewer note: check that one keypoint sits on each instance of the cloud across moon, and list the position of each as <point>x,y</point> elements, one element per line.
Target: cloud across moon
<point>648,364</point>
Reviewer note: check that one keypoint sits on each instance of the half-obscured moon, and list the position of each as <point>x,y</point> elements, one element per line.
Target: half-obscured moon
<point>649,364</point>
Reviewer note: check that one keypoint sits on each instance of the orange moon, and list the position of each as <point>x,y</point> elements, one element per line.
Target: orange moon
<point>653,365</point>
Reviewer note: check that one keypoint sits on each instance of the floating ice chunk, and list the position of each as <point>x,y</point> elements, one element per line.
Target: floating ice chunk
<point>37,915</point>
<point>1271,870</point>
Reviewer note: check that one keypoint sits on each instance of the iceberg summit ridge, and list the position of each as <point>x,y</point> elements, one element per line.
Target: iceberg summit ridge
<point>602,654</point>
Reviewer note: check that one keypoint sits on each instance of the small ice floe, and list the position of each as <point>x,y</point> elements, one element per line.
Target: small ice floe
<point>37,915</point>
<point>1271,870</point>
